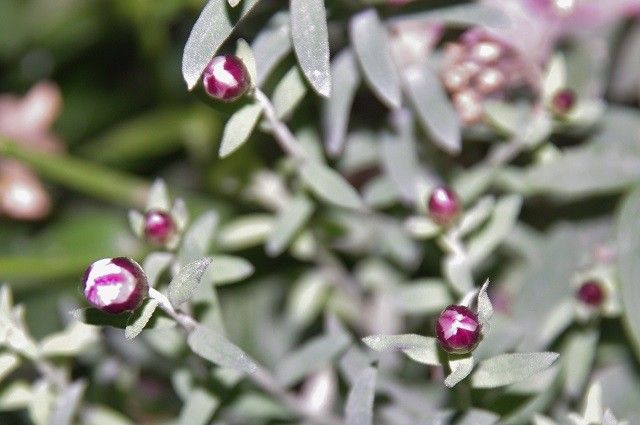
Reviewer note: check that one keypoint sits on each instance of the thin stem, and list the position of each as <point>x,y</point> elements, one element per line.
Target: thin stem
<point>261,377</point>
<point>281,132</point>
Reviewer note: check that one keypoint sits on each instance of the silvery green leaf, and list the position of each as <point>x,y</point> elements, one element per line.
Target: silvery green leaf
<point>289,222</point>
<point>370,42</point>
<point>313,355</point>
<point>158,197</point>
<point>359,407</point>
<point>476,215</point>
<point>506,117</point>
<point>67,404</point>
<point>380,192</point>
<point>421,227</point>
<point>555,77</point>
<point>485,309</point>
<point>155,264</point>
<point>306,299</point>
<point>214,347</point>
<point>8,363</point>
<point>620,389</point>
<point>311,42</point>
<point>399,157</point>
<point>136,222</point>
<point>183,285</point>
<point>461,15</point>
<point>288,93</point>
<point>213,27</point>
<point>543,420</point>
<point>198,408</point>
<point>394,242</point>
<point>556,321</point>
<point>478,417</point>
<point>239,128</point>
<point>578,356</point>
<point>502,221</point>
<point>254,407</point>
<point>70,342</point>
<point>41,403</point>
<point>425,296</point>
<point>271,45</point>
<point>180,213</point>
<point>100,415</point>
<point>228,269</point>
<point>506,369</point>
<point>310,143</point>
<point>419,348</point>
<point>460,367</point>
<point>473,182</point>
<point>132,330</point>
<point>502,336</point>
<point>457,270</point>
<point>625,81</point>
<point>18,340</point>
<point>330,186</point>
<point>628,240</point>
<point>15,395</point>
<point>247,231</point>
<point>197,239</point>
<point>609,419</point>
<point>592,412</point>
<point>345,79</point>
<point>182,381</point>
<point>435,112</point>
<point>244,52</point>
<point>234,3</point>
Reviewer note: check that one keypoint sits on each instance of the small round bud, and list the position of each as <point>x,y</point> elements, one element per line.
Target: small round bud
<point>226,78</point>
<point>486,52</point>
<point>468,106</point>
<point>458,329</point>
<point>490,80</point>
<point>563,101</point>
<point>115,285</point>
<point>443,205</point>
<point>159,227</point>
<point>591,293</point>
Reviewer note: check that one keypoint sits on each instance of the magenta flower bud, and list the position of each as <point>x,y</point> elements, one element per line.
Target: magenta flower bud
<point>443,205</point>
<point>591,293</point>
<point>114,285</point>
<point>458,329</point>
<point>226,78</point>
<point>159,227</point>
<point>563,101</point>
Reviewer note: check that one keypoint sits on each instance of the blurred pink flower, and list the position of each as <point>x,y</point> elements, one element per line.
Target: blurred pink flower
<point>27,121</point>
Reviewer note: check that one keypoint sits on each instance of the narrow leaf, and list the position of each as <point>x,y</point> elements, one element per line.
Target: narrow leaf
<point>217,349</point>
<point>330,186</point>
<point>271,45</point>
<point>246,231</point>
<point>359,408</point>
<point>158,198</point>
<point>155,264</point>
<point>311,42</point>
<point>419,348</point>
<point>345,79</point>
<point>485,309</point>
<point>289,222</point>
<point>460,367</point>
<point>8,363</point>
<point>198,408</point>
<point>67,403</point>
<point>134,329</point>
<point>239,128</point>
<point>371,44</point>
<point>244,52</point>
<point>426,296</point>
<point>197,239</point>
<point>462,15</point>
<point>182,286</point>
<point>288,93</point>
<point>506,369</point>
<point>213,27</point>
<point>228,269</point>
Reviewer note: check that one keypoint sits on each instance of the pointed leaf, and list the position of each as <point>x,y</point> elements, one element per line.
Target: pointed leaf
<point>330,186</point>
<point>214,347</point>
<point>138,324</point>
<point>228,269</point>
<point>244,52</point>
<point>182,286</point>
<point>196,240</point>
<point>371,45</point>
<point>8,363</point>
<point>136,222</point>
<point>239,128</point>
<point>460,367</point>
<point>506,369</point>
<point>426,296</point>
<point>67,404</point>
<point>213,27</point>
<point>198,408</point>
<point>289,222</point>
<point>271,45</point>
<point>485,309</point>
<point>311,42</point>
<point>158,197</point>
<point>359,408</point>
<point>155,264</point>
<point>419,348</point>
<point>288,93</point>
<point>246,231</point>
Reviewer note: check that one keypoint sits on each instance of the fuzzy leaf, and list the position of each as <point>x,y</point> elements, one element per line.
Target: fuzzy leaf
<point>506,369</point>
<point>70,342</point>
<point>462,15</point>
<point>158,197</point>
<point>330,186</point>
<point>288,93</point>
<point>8,363</point>
<point>246,231</point>
<point>228,269</point>
<point>485,309</point>
<point>475,216</point>
<point>132,330</point>
<point>421,227</point>
<point>239,128</point>
<point>578,355</point>
<point>593,404</point>
<point>67,403</point>
<point>426,296</point>
<point>289,222</point>
<point>457,270</point>
<point>183,285</point>
<point>198,408</point>
<point>197,239</point>
<point>136,222</point>
<point>214,347</point>
<point>419,348</point>
<point>359,407</point>
<point>271,45</point>
<point>478,417</point>
<point>213,27</point>
<point>371,45</point>
<point>155,264</point>
<point>345,79</point>
<point>244,52</point>
<point>460,367</point>
<point>311,42</point>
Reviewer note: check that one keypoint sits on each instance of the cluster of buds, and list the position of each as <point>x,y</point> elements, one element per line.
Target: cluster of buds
<point>476,67</point>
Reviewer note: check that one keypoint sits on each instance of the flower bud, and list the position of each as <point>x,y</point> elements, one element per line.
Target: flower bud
<point>591,293</point>
<point>115,285</point>
<point>226,78</point>
<point>468,106</point>
<point>458,329</point>
<point>159,227</point>
<point>443,205</point>
<point>562,102</point>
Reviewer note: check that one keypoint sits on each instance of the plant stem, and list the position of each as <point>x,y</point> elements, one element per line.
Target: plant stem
<point>281,132</point>
<point>261,377</point>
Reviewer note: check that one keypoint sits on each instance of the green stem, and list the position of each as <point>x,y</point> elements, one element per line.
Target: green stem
<point>91,179</point>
